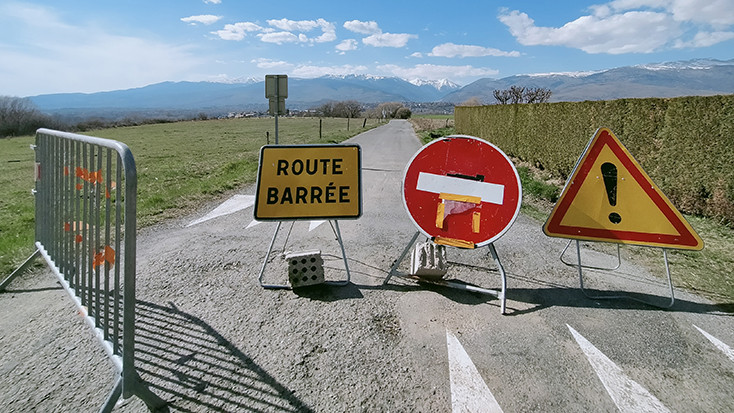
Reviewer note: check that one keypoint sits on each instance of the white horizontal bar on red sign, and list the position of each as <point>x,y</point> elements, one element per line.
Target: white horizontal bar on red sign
<point>488,192</point>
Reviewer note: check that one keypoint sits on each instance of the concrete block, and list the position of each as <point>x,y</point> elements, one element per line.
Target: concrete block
<point>305,268</point>
<point>429,260</point>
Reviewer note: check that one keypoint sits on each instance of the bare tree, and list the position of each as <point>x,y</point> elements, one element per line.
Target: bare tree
<point>347,109</point>
<point>388,110</point>
<point>19,116</point>
<point>517,94</point>
<point>537,95</point>
<point>502,96</point>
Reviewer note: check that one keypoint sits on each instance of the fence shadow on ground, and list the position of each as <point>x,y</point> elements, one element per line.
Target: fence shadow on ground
<point>194,368</point>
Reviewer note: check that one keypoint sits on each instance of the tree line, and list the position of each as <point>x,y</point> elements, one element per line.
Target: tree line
<point>19,116</point>
<point>519,94</point>
<point>354,109</point>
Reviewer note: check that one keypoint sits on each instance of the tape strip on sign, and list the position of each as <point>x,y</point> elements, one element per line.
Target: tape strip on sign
<point>487,192</point>
<point>305,182</point>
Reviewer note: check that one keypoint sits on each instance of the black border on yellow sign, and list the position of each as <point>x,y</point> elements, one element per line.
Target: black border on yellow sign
<point>315,216</point>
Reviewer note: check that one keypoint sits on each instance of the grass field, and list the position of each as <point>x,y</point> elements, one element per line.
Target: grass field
<point>179,165</point>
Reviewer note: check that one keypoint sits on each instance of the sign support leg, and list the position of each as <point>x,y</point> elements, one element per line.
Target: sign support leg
<point>344,256</point>
<point>571,264</point>
<point>612,296</point>
<point>288,287</point>
<point>503,294</point>
<point>400,259</point>
<point>265,263</point>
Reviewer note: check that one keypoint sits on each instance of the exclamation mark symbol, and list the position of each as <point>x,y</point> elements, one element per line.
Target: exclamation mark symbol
<point>609,173</point>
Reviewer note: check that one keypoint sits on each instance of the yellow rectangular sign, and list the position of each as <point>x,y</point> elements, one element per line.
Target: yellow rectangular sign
<point>309,182</point>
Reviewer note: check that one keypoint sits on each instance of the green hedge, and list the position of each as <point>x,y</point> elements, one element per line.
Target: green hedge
<point>686,144</point>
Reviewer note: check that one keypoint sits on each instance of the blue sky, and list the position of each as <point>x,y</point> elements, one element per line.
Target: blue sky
<point>52,46</point>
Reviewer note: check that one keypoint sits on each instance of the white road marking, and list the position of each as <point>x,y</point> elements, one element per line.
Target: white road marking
<point>234,204</point>
<point>627,394</point>
<point>238,203</point>
<point>718,343</point>
<point>469,392</point>
<point>488,192</point>
<point>314,224</point>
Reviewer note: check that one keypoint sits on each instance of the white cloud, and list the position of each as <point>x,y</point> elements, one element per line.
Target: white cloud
<point>437,72</point>
<point>263,63</point>
<point>54,56</point>
<point>376,37</point>
<point>460,50</point>
<point>237,31</point>
<point>281,31</point>
<point>388,39</point>
<point>632,26</point>
<point>705,39</point>
<point>416,54</point>
<point>309,71</point>
<point>361,27</point>
<point>278,37</point>
<point>293,25</point>
<point>202,18</point>
<point>347,45</point>
<point>717,13</point>
<point>212,1</point>
<point>631,32</point>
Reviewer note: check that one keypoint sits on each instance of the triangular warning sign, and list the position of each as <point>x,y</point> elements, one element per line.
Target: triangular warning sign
<point>610,198</point>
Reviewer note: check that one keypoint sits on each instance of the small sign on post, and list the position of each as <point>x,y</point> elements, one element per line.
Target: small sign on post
<point>276,90</point>
<point>276,86</point>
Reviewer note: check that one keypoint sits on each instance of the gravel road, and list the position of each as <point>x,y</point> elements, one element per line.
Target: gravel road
<point>211,339</point>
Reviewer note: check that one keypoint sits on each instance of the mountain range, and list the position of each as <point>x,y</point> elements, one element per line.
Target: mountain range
<point>694,77</point>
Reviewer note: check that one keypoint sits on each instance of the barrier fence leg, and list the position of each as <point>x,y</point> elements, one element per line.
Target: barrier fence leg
<point>27,263</point>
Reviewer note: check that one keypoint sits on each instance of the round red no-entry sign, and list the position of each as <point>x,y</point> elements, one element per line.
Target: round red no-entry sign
<point>462,191</point>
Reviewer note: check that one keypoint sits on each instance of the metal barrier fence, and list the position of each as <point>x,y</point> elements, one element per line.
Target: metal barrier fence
<point>85,191</point>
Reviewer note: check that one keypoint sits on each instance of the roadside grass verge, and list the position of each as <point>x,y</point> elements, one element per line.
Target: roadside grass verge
<point>180,166</point>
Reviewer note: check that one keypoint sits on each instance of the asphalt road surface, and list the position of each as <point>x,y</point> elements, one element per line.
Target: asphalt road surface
<point>210,338</point>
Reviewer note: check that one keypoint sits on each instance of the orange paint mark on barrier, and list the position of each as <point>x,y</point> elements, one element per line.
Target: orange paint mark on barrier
<point>476,219</point>
<point>107,255</point>
<point>89,176</point>
<point>75,226</point>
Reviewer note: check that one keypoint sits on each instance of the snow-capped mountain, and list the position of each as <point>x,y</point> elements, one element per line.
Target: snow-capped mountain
<point>695,77</point>
<point>700,77</point>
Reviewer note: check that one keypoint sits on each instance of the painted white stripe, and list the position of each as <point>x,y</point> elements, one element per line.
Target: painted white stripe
<point>627,394</point>
<point>718,343</point>
<point>314,224</point>
<point>469,392</point>
<point>234,204</point>
<point>492,193</point>
<point>252,224</point>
